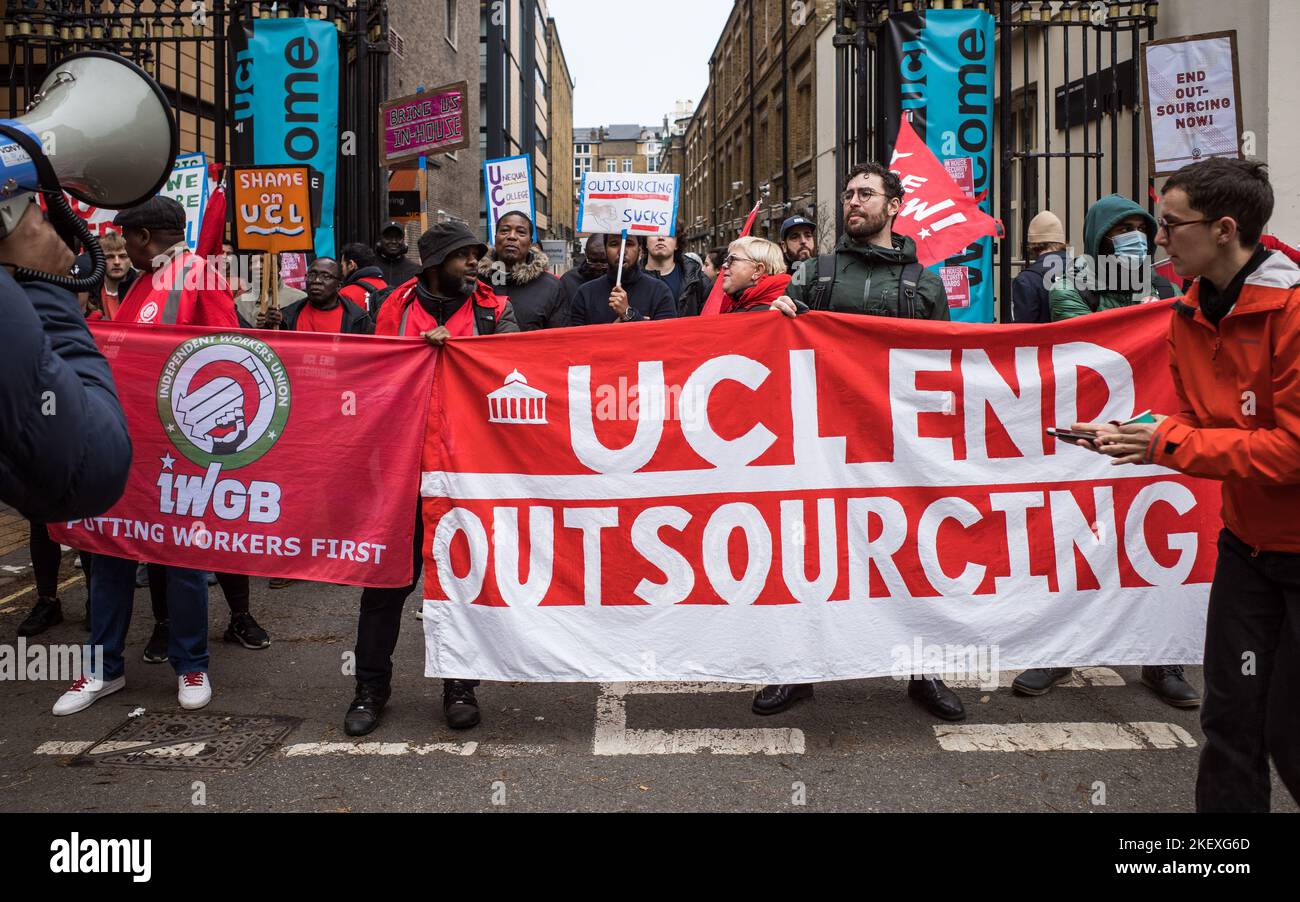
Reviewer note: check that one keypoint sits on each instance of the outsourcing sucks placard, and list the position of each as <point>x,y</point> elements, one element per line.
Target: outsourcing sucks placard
<point>766,500</point>
<point>290,454</point>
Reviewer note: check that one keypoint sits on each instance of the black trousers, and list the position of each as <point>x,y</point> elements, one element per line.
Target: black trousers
<point>1252,679</point>
<point>380,623</point>
<point>234,586</point>
<point>46,558</point>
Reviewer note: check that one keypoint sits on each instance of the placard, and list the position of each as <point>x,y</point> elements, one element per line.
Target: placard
<point>1193,100</point>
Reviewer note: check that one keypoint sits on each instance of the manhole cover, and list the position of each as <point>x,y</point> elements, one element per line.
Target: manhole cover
<point>189,741</point>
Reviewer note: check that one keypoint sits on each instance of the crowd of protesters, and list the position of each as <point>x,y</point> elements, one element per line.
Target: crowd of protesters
<point>1235,325</point>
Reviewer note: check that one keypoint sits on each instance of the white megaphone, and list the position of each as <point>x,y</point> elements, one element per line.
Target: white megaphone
<point>100,129</point>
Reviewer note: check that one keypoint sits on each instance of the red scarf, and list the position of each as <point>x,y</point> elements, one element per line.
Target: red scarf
<point>768,289</point>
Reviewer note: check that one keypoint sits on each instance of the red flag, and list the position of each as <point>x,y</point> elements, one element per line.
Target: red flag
<point>212,231</point>
<point>718,301</point>
<point>936,213</point>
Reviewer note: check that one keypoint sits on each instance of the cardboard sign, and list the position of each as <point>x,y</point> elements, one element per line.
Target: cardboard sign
<point>509,188</point>
<point>1193,100</point>
<point>420,124</point>
<point>271,207</point>
<point>188,186</point>
<point>640,203</point>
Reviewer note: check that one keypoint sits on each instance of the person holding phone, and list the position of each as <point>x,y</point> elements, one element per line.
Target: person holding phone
<point>1234,344</point>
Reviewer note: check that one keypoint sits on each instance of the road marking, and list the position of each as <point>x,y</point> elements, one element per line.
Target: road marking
<point>1062,737</point>
<point>1083,678</point>
<point>313,749</point>
<point>21,592</point>
<point>378,749</point>
<point>180,749</point>
<point>612,737</point>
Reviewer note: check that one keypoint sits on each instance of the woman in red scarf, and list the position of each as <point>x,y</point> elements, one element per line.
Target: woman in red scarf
<point>753,275</point>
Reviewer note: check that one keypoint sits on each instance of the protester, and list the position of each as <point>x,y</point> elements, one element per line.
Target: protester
<point>713,264</point>
<point>446,302</point>
<point>119,276</point>
<point>798,241</point>
<point>324,309</point>
<point>1117,233</point>
<point>242,628</point>
<point>684,277</point>
<point>639,298</point>
<point>592,266</point>
<point>74,464</point>
<point>363,280</point>
<point>1234,344</point>
<point>1115,269</point>
<point>248,295</point>
<point>1029,291</point>
<point>872,272</point>
<point>397,268</point>
<point>754,275</point>
<point>516,268</point>
<point>47,556</point>
<point>180,288</point>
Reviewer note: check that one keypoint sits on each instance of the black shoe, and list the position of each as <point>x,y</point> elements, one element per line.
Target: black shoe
<point>935,697</point>
<point>244,630</point>
<point>459,704</point>
<point>1040,680</point>
<point>142,576</point>
<point>46,613</point>
<point>1170,685</point>
<point>778,698</point>
<point>156,651</point>
<point>363,713</point>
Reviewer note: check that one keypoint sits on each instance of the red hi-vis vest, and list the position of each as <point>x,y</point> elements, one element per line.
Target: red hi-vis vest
<point>402,314</point>
<point>187,291</point>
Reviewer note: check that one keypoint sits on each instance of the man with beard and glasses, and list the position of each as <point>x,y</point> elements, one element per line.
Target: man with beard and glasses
<point>872,272</point>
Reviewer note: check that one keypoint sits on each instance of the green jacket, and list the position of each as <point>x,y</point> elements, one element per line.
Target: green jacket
<point>867,281</point>
<point>1065,296</point>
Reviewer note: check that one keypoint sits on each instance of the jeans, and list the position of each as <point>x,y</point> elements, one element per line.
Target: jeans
<point>235,586</point>
<point>112,596</point>
<point>1252,679</point>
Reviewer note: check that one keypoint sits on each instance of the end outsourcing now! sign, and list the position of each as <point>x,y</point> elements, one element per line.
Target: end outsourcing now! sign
<point>640,203</point>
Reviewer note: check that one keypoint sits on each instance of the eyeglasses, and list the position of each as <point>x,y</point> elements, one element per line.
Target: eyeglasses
<point>320,277</point>
<point>862,194</point>
<point>1168,227</point>
<point>732,258</point>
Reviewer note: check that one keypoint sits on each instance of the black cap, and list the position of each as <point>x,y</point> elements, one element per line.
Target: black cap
<point>795,222</point>
<point>159,213</point>
<point>443,239</point>
<point>392,225</point>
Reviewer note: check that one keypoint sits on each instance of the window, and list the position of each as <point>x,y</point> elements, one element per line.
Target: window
<point>539,141</point>
<point>611,165</point>
<point>451,21</point>
<point>627,165</point>
<point>653,165</point>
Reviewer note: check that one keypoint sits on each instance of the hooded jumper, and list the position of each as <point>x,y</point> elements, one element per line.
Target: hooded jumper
<point>533,290</point>
<point>397,270</point>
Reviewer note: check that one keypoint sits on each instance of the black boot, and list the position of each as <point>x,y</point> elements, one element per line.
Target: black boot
<point>932,695</point>
<point>778,698</point>
<point>1170,685</point>
<point>363,713</point>
<point>46,613</point>
<point>459,704</point>
<point>1040,680</point>
<point>155,651</point>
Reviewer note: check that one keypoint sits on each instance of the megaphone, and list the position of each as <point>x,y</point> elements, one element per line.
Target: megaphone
<point>99,128</point>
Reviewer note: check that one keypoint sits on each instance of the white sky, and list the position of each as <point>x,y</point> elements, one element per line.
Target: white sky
<point>632,60</point>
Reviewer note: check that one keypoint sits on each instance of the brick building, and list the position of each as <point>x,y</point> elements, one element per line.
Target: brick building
<point>560,88</point>
<point>616,148</point>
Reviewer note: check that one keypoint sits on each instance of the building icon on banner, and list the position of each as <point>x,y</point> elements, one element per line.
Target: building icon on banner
<point>517,402</point>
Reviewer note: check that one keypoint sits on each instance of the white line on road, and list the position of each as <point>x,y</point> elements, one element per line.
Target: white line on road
<point>383,749</point>
<point>21,592</point>
<point>313,749</point>
<point>612,737</point>
<point>1062,737</point>
<point>1083,677</point>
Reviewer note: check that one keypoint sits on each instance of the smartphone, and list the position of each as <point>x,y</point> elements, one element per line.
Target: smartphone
<point>1066,435</point>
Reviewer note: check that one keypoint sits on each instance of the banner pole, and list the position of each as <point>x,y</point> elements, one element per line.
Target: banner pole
<point>622,250</point>
<point>265,287</point>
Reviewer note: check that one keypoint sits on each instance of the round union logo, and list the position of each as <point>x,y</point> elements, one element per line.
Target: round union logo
<point>223,399</point>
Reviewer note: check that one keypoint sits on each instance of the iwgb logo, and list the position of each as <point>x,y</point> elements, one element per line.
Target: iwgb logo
<point>223,399</point>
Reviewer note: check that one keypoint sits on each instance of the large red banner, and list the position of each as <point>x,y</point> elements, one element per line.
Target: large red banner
<point>753,498</point>
<point>268,453</point>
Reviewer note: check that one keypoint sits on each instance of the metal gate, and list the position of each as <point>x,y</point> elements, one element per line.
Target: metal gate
<point>183,45</point>
<point>1067,108</point>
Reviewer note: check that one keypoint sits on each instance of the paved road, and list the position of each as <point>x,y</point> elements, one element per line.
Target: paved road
<point>861,746</point>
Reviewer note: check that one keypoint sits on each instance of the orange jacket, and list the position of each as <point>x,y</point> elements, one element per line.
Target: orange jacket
<point>1239,392</point>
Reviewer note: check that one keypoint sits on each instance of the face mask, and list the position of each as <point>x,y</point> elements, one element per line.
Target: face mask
<point>1131,244</point>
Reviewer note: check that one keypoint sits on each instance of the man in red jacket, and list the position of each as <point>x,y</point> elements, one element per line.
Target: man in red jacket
<point>1234,344</point>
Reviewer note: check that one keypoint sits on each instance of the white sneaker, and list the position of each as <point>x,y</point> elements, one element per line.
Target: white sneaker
<point>84,693</point>
<point>195,690</point>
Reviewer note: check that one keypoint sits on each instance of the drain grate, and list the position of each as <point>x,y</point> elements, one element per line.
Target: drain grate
<point>189,741</point>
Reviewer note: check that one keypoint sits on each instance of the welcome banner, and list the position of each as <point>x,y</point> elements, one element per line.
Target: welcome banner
<point>756,499</point>
<point>285,454</point>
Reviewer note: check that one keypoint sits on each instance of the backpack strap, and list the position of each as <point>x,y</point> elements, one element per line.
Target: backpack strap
<point>821,294</point>
<point>908,281</point>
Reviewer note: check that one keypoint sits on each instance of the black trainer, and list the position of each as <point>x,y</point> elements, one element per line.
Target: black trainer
<point>459,704</point>
<point>934,696</point>
<point>46,613</point>
<point>1040,680</point>
<point>1170,685</point>
<point>245,630</point>
<point>155,652</point>
<point>363,713</point>
<point>777,698</point>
